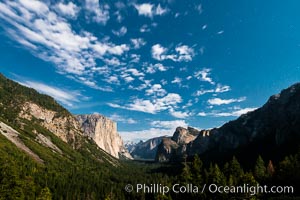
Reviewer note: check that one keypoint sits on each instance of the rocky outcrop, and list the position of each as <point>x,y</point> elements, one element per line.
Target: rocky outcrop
<point>174,148</point>
<point>104,132</point>
<point>271,131</point>
<point>13,136</point>
<point>65,127</point>
<point>147,149</point>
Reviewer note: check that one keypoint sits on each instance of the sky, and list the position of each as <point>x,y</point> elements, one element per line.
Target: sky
<point>153,65</point>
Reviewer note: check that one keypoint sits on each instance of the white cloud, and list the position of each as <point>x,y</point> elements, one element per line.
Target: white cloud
<point>156,90</point>
<point>218,101</point>
<point>35,6</point>
<point>135,72</point>
<point>183,53</point>
<point>138,42</point>
<point>152,106</point>
<point>234,113</point>
<point>220,32</point>
<point>144,9</point>
<point>179,114</point>
<point>219,89</point>
<point>160,128</point>
<point>157,51</point>
<point>150,10</point>
<point>160,11</point>
<point>151,69</point>
<point>50,37</point>
<point>100,13</point>
<point>145,28</point>
<point>202,114</point>
<point>113,80</point>
<point>121,119</point>
<point>202,92</point>
<point>169,124</point>
<point>203,75</point>
<point>199,8</point>
<point>69,10</point>
<point>121,32</point>
<point>144,135</point>
<point>177,80</point>
<point>66,97</point>
<point>222,88</point>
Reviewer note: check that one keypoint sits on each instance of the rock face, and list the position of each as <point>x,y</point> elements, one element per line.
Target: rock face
<point>147,149</point>
<point>172,148</point>
<point>65,127</point>
<point>104,132</point>
<point>272,130</point>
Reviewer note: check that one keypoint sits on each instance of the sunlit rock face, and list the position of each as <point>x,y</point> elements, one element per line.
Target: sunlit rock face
<point>66,127</point>
<point>104,132</point>
<point>174,148</point>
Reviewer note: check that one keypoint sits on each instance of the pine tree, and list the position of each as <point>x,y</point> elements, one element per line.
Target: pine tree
<point>235,170</point>
<point>260,169</point>
<point>215,175</point>
<point>270,169</point>
<point>186,174</point>
<point>196,170</point>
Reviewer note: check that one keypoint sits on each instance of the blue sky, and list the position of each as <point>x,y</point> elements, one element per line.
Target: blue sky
<point>153,65</point>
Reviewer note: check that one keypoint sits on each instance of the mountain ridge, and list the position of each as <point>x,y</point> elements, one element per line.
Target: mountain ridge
<point>271,129</point>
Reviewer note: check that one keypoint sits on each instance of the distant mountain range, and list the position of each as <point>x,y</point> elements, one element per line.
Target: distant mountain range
<point>144,150</point>
<point>272,131</point>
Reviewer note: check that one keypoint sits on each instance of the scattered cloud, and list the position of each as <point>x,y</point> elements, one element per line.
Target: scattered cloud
<point>145,28</point>
<point>151,69</point>
<point>202,114</point>
<point>118,118</point>
<point>234,113</point>
<point>50,37</point>
<point>179,114</point>
<point>63,96</point>
<point>70,10</point>
<point>150,10</point>
<point>100,13</point>
<point>121,32</point>
<point>220,32</point>
<point>219,89</point>
<point>169,124</point>
<point>181,53</point>
<point>199,8</point>
<point>160,128</point>
<point>203,75</point>
<point>138,42</point>
<point>222,88</point>
<point>177,80</point>
<point>156,90</point>
<point>152,106</point>
<point>202,92</point>
<point>185,53</point>
<point>144,135</point>
<point>218,101</point>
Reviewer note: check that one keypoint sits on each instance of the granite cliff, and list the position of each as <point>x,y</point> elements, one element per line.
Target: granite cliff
<point>147,149</point>
<point>172,147</point>
<point>104,132</point>
<point>271,131</point>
